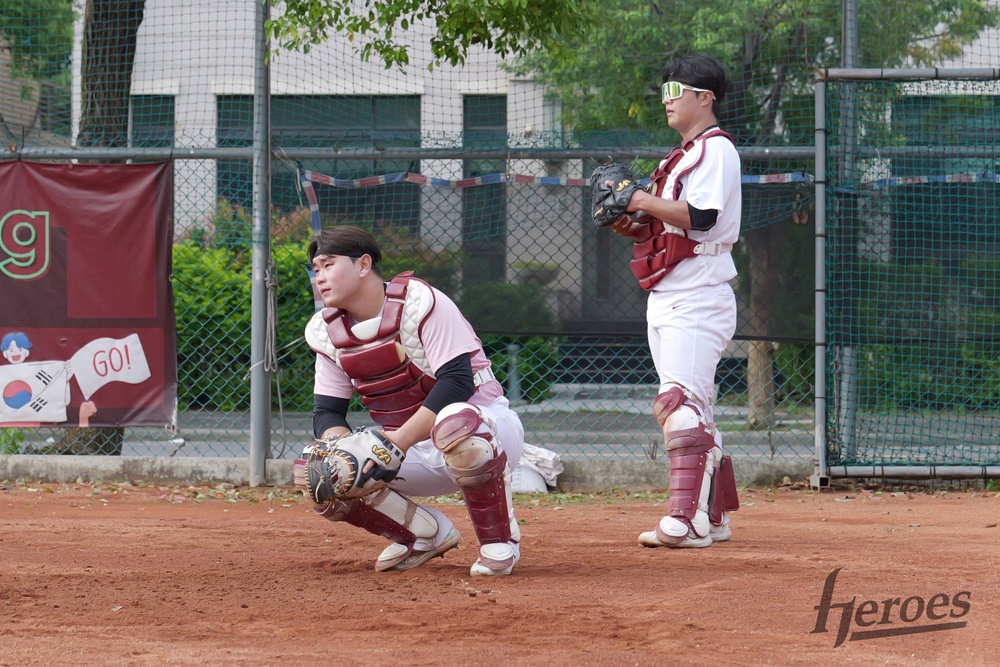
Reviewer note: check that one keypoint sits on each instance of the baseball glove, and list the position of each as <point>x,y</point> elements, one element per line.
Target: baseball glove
<point>351,465</point>
<point>611,201</point>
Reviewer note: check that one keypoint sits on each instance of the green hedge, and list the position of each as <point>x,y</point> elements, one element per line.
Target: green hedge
<point>212,306</point>
<point>499,307</point>
<point>537,358</point>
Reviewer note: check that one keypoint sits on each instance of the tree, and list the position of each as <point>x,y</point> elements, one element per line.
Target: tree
<point>110,34</point>
<point>503,26</point>
<point>38,34</point>
<point>608,78</point>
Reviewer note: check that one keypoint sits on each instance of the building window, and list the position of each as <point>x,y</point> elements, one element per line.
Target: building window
<point>484,209</point>
<point>301,121</point>
<point>152,123</point>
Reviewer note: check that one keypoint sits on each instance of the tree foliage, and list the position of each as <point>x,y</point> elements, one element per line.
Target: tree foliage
<point>39,36</point>
<point>503,26</point>
<point>608,77</point>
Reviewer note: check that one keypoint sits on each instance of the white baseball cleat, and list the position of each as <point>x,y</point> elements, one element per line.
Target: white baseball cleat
<point>720,533</point>
<point>495,559</point>
<point>650,539</point>
<point>673,533</point>
<point>396,556</point>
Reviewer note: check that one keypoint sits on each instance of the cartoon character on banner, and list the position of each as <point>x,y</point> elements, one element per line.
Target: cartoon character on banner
<point>39,392</point>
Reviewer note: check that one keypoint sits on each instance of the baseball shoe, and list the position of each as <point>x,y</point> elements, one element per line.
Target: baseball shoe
<point>496,559</point>
<point>721,533</point>
<point>397,557</point>
<point>660,538</point>
<point>650,539</point>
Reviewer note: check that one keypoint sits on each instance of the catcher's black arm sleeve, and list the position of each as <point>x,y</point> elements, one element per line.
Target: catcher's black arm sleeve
<point>702,220</point>
<point>329,411</point>
<point>454,384</point>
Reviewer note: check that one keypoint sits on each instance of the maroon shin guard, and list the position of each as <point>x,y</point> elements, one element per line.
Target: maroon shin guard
<point>359,513</point>
<point>724,498</point>
<point>487,502</point>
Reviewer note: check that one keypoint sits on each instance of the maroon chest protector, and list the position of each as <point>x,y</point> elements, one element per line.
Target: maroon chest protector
<point>656,251</point>
<point>389,383</point>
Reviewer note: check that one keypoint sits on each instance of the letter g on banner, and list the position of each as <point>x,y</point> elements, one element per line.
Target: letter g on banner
<point>24,244</point>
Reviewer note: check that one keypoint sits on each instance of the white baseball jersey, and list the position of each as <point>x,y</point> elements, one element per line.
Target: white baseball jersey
<point>714,183</point>
<point>691,313</point>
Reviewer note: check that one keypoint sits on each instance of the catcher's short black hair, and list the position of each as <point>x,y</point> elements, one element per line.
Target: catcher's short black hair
<point>700,71</point>
<point>346,241</point>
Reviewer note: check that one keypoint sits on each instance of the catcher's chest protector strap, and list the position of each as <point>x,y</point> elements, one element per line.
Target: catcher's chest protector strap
<point>390,384</point>
<point>659,249</point>
<point>681,161</point>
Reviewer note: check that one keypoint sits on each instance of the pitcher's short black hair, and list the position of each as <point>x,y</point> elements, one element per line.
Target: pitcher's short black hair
<point>700,71</point>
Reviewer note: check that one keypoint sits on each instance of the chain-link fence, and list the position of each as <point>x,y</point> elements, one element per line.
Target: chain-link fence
<point>912,285</point>
<point>472,176</point>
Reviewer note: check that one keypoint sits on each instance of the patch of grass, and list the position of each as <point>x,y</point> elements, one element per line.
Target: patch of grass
<point>10,440</point>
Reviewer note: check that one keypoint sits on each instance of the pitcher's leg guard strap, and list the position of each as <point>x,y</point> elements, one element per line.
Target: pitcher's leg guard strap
<point>725,497</point>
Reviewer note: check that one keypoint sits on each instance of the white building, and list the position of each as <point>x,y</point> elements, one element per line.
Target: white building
<point>192,87</point>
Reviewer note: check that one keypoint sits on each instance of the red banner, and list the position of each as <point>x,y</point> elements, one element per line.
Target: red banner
<point>87,318</point>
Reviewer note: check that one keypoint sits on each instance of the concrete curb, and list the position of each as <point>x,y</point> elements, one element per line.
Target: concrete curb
<point>151,469</point>
<point>577,477</point>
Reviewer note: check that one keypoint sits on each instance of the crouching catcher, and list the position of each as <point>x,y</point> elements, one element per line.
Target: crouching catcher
<point>442,422</point>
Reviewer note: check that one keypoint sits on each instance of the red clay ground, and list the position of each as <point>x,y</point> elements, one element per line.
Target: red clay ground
<point>119,575</point>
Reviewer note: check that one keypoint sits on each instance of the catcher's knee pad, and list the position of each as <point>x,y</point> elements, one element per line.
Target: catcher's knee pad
<point>385,513</point>
<point>667,403</point>
<point>466,441</point>
<point>693,456</point>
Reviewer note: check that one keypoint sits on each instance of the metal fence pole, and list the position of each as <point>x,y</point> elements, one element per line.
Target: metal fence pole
<point>821,478</point>
<point>260,380</point>
<point>513,377</point>
<point>847,402</point>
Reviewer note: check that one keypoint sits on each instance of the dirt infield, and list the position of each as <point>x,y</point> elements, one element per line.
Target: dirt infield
<point>121,575</point>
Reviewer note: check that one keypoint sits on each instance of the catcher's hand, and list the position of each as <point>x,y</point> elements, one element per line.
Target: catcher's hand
<point>610,202</point>
<point>351,465</point>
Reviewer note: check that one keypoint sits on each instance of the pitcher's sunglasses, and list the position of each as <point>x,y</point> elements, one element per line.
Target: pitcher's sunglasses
<point>671,90</point>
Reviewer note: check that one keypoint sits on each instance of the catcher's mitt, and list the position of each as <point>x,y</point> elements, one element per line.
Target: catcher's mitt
<point>611,201</point>
<point>351,465</point>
